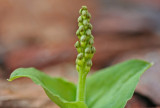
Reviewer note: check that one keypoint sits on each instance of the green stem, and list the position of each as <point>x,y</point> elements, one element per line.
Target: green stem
<point>81,89</point>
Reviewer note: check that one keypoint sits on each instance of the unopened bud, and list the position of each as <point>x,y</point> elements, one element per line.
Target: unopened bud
<point>84,17</point>
<point>77,44</point>
<point>89,15</point>
<point>83,38</point>
<point>80,56</point>
<point>85,22</point>
<point>83,44</point>
<point>77,32</point>
<point>88,50</point>
<point>80,24</point>
<point>80,62</point>
<point>84,7</point>
<point>87,69</point>
<point>88,56</point>
<point>89,63</point>
<point>80,11</point>
<point>81,28</point>
<point>93,50</point>
<point>79,19</point>
<point>84,12</point>
<point>90,26</point>
<point>82,33</point>
<point>88,32</point>
<point>91,41</point>
<point>79,50</point>
<point>92,36</point>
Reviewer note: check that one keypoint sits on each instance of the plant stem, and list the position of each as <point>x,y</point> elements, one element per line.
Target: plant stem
<point>81,89</point>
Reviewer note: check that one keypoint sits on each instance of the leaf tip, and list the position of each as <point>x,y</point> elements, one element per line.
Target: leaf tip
<point>146,62</point>
<point>152,63</point>
<point>10,79</point>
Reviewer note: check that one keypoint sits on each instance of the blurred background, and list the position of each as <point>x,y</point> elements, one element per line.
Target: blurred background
<point>41,34</point>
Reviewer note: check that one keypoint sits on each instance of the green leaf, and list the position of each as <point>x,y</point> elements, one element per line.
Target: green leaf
<point>75,105</point>
<point>58,90</point>
<point>114,86</point>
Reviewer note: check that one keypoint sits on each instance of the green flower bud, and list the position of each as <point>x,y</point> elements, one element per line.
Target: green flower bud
<point>85,22</point>
<point>89,63</point>
<point>84,17</point>
<point>77,44</point>
<point>77,32</point>
<point>80,56</point>
<point>88,32</point>
<point>79,50</point>
<point>80,62</point>
<point>85,27</point>
<point>80,11</point>
<point>83,38</point>
<point>80,19</point>
<point>91,41</point>
<point>88,56</point>
<point>92,36</point>
<point>81,28</point>
<point>82,33</point>
<point>87,69</point>
<point>83,44</point>
<point>84,7</point>
<point>84,12</point>
<point>90,26</point>
<point>89,15</point>
<point>88,50</point>
<point>93,50</point>
<point>80,24</point>
<point>79,36</point>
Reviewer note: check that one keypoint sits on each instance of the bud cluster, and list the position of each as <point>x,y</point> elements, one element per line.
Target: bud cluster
<point>85,44</point>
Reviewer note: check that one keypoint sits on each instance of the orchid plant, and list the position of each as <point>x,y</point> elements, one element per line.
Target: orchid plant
<point>108,88</point>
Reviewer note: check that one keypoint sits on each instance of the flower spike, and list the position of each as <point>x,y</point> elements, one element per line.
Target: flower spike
<point>84,46</point>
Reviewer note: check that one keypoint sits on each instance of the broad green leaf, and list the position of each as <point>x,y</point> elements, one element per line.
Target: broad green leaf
<point>62,92</point>
<point>114,86</point>
<point>75,105</point>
